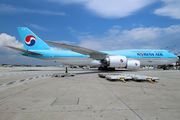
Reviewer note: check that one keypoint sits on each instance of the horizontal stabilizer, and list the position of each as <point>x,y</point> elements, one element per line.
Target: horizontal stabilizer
<point>25,51</point>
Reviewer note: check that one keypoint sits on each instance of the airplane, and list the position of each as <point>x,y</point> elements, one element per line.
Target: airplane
<point>76,55</point>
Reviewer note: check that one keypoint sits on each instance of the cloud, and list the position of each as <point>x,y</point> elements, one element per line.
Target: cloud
<point>110,8</point>
<point>171,8</point>
<point>11,10</point>
<point>6,53</point>
<point>38,27</point>
<point>137,38</point>
<point>71,29</point>
<point>76,32</point>
<point>7,40</point>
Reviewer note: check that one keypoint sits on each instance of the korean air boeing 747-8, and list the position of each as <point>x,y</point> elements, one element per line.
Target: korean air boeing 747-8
<point>130,58</point>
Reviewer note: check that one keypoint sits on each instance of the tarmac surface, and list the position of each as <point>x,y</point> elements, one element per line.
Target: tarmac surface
<point>31,93</point>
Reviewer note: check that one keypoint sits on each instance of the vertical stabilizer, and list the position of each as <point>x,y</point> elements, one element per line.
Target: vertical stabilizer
<point>31,41</point>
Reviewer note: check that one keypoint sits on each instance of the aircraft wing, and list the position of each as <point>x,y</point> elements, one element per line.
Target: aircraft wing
<point>93,53</point>
<point>25,51</point>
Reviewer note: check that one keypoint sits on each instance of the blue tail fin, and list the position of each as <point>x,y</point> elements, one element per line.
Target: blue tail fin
<point>31,41</point>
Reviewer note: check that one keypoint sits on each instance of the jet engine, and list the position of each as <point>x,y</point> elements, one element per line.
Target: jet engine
<point>116,61</point>
<point>133,64</point>
<point>121,61</point>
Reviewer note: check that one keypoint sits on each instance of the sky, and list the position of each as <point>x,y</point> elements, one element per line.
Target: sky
<point>95,24</point>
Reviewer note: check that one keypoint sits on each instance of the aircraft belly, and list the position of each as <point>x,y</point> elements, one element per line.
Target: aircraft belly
<point>75,61</point>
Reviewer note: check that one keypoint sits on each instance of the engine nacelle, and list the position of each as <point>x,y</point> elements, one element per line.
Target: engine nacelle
<point>133,64</point>
<point>122,61</point>
<point>116,61</point>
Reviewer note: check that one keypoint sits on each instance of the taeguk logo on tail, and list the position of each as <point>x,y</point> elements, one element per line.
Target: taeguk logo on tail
<point>30,40</point>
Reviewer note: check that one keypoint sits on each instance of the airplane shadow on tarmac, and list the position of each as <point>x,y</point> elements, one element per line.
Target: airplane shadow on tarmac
<point>84,71</point>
